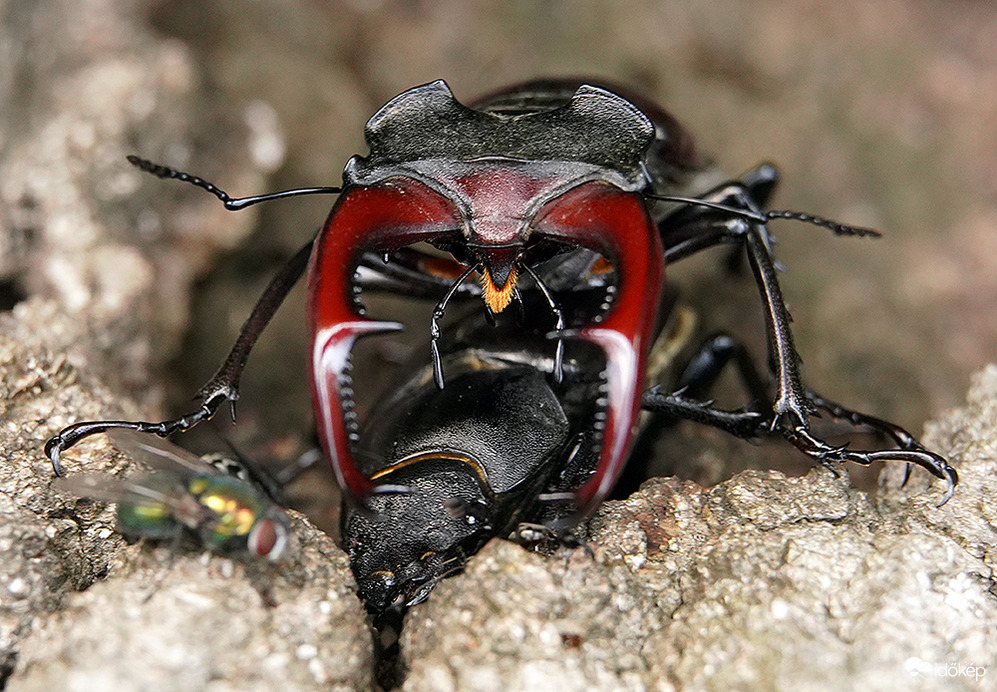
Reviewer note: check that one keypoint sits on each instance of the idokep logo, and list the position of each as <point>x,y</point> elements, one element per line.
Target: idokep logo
<point>917,667</point>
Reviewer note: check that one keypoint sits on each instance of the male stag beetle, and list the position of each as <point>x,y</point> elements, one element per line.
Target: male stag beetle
<point>562,198</point>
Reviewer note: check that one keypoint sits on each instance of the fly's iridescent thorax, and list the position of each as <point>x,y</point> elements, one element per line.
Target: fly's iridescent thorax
<point>226,513</point>
<point>235,516</point>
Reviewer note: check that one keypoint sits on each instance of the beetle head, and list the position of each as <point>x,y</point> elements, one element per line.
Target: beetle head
<point>426,123</point>
<point>500,169</point>
<point>403,543</point>
<point>465,462</point>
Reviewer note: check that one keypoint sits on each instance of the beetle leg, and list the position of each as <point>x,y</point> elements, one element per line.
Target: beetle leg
<point>70,435</point>
<point>226,380</point>
<point>707,235</point>
<point>412,273</point>
<point>687,401</point>
<point>222,387</point>
<point>305,461</point>
<point>791,399</point>
<point>791,406</point>
<point>825,454</point>
<point>705,367</point>
<point>690,229</point>
<point>745,424</point>
<point>545,539</point>
<point>925,458</point>
<point>748,424</point>
<point>858,419</point>
<point>759,183</point>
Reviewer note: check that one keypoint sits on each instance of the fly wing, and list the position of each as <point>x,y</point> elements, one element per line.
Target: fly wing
<point>107,488</point>
<point>158,454</point>
<point>163,490</point>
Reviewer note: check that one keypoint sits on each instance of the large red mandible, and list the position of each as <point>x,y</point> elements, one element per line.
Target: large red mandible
<point>395,213</point>
<point>615,224</point>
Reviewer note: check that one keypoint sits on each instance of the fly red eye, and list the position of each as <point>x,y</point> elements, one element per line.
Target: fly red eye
<point>268,539</point>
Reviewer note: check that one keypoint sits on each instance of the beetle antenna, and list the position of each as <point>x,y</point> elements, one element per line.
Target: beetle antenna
<point>556,309</point>
<point>231,203</point>
<point>434,324</point>
<point>766,216</point>
<point>835,227</point>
